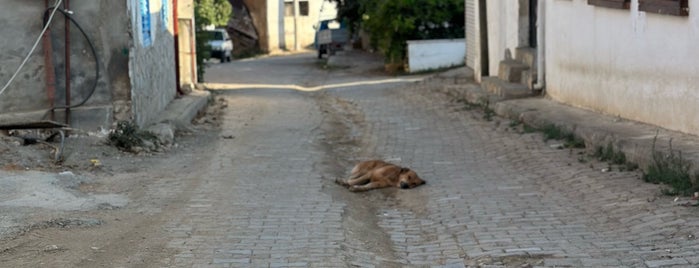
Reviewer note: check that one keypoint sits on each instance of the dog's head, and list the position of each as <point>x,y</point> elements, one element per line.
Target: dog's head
<point>409,179</point>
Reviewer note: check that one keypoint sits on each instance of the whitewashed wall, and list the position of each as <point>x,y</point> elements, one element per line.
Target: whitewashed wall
<point>503,31</point>
<point>637,65</point>
<point>306,24</point>
<point>433,54</point>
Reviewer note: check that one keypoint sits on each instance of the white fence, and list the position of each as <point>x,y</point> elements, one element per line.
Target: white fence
<point>434,54</point>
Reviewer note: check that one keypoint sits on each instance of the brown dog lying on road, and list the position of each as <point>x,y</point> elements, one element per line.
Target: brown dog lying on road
<point>374,174</point>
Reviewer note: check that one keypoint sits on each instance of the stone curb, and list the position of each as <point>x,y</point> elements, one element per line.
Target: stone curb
<point>178,115</point>
<point>636,140</point>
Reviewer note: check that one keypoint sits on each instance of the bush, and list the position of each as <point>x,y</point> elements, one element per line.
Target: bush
<point>393,22</point>
<point>127,136</point>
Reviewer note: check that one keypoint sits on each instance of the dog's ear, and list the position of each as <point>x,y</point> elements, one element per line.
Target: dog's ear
<point>404,170</point>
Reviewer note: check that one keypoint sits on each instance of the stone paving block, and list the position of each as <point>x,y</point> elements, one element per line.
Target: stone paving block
<point>563,262</point>
<point>491,192</point>
<point>667,262</point>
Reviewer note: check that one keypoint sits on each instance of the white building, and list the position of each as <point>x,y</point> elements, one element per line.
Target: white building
<point>630,58</point>
<point>281,32</point>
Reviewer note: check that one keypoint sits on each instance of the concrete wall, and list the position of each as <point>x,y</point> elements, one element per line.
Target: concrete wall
<point>151,66</point>
<point>633,64</point>
<point>187,42</point>
<point>474,52</point>
<point>433,54</point>
<point>106,24</point>
<point>28,91</point>
<point>275,25</point>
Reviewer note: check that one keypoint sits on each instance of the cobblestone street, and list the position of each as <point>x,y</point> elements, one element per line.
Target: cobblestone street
<point>495,196</point>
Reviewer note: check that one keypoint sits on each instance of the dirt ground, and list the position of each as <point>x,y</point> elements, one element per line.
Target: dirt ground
<point>44,235</point>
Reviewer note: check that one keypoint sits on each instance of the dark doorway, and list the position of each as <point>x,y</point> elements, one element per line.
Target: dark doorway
<point>483,25</point>
<point>533,8</point>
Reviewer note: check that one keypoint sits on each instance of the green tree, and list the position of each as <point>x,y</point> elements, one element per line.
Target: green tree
<point>392,22</point>
<point>208,12</point>
<point>212,12</point>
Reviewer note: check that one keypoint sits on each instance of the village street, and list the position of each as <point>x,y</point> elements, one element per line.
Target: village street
<point>259,191</point>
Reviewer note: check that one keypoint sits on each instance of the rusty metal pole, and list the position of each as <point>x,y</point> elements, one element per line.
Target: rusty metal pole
<point>67,55</point>
<point>48,69</point>
<point>176,37</point>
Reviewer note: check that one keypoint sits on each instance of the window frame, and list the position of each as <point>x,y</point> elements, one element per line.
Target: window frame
<point>288,4</point>
<point>665,7</point>
<point>307,8</point>
<point>616,4</point>
<point>304,5</point>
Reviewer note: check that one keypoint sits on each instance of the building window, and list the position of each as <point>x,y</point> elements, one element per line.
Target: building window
<point>289,8</point>
<point>303,8</point>
<point>618,4</point>
<point>667,7</point>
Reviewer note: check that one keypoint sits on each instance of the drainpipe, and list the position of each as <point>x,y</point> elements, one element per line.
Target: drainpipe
<point>49,70</point>
<point>67,55</point>
<point>176,38</point>
<point>540,46</point>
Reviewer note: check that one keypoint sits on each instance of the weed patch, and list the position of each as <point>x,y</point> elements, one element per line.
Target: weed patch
<point>609,155</point>
<point>487,111</point>
<point>127,136</point>
<point>468,106</point>
<point>672,170</point>
<point>483,104</point>
<point>554,132</point>
<point>529,129</point>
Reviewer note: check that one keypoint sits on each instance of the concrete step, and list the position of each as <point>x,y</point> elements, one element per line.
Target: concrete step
<point>472,93</point>
<point>504,89</point>
<point>511,70</point>
<point>526,55</point>
<point>529,78</point>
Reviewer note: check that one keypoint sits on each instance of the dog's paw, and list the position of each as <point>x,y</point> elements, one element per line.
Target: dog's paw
<point>341,182</point>
<point>356,189</point>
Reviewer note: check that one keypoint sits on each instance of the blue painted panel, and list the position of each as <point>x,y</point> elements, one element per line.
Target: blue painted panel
<point>164,12</point>
<point>146,38</point>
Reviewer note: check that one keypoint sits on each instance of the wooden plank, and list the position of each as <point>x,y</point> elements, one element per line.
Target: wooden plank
<point>31,125</point>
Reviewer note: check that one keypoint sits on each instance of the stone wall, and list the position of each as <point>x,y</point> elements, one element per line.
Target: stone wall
<point>151,63</point>
<point>188,61</point>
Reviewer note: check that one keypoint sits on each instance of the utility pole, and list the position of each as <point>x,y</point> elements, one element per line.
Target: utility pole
<point>297,45</point>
